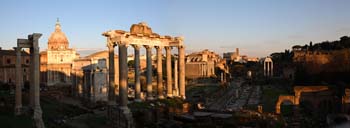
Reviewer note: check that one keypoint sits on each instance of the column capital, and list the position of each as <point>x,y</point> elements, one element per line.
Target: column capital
<point>168,47</point>
<point>148,46</point>
<point>110,43</point>
<point>136,46</point>
<point>159,47</point>
<point>180,46</point>
<point>123,44</point>
<point>34,36</point>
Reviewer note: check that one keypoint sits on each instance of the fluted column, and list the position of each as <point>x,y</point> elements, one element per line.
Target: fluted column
<point>19,81</point>
<point>149,72</point>
<point>176,85</point>
<point>137,73</point>
<point>123,76</point>
<point>182,72</point>
<point>168,72</point>
<point>159,72</point>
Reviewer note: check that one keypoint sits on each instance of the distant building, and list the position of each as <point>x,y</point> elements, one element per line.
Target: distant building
<point>236,57</point>
<point>56,61</point>
<point>8,68</point>
<point>90,76</point>
<point>252,59</point>
<point>232,56</point>
<point>201,64</point>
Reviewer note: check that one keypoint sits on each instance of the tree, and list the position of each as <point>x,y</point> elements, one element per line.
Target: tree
<point>131,63</point>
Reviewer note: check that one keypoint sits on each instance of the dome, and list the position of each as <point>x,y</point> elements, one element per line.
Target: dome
<point>58,39</point>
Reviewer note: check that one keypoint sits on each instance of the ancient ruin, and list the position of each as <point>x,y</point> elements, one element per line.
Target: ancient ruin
<point>140,35</point>
<point>295,100</point>
<point>268,67</point>
<point>33,44</point>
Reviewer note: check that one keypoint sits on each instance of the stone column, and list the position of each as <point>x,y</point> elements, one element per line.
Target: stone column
<point>19,81</point>
<point>271,68</point>
<point>36,80</point>
<point>182,72</point>
<point>159,72</point>
<point>168,72</point>
<point>91,85</point>
<point>116,77</point>
<point>149,72</point>
<point>264,68</point>
<point>123,76</point>
<point>111,82</point>
<point>31,81</point>
<point>176,86</point>
<point>268,69</point>
<point>222,77</point>
<point>137,73</point>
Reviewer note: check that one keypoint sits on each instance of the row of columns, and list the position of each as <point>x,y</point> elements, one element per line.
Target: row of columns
<point>268,68</point>
<point>123,73</point>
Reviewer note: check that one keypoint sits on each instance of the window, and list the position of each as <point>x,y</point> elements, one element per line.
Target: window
<point>8,61</point>
<point>27,61</point>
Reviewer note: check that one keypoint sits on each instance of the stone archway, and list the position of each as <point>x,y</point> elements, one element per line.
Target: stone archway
<point>281,99</point>
<point>297,94</point>
<point>300,89</point>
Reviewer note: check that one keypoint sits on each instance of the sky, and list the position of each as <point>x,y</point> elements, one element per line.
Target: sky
<point>257,27</point>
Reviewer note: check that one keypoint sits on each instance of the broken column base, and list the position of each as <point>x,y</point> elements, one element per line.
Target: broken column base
<point>111,108</point>
<point>18,110</point>
<point>37,116</point>
<point>122,118</point>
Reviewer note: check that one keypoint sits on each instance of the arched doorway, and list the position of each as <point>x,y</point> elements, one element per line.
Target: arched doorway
<point>287,107</point>
<point>282,99</point>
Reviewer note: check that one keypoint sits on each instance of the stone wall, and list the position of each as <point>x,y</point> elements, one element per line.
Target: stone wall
<point>7,66</point>
<point>324,61</point>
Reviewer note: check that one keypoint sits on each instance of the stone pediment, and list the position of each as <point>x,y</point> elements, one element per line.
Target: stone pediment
<point>141,28</point>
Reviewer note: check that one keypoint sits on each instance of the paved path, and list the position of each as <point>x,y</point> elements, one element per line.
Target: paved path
<point>220,102</point>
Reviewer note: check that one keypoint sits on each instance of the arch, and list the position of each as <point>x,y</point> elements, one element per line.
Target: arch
<point>297,94</point>
<point>300,89</point>
<point>281,99</point>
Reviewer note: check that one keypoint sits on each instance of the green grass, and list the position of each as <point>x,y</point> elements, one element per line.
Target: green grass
<point>7,117</point>
<point>208,89</point>
<point>9,120</point>
<point>54,110</point>
<point>95,121</point>
<point>270,97</point>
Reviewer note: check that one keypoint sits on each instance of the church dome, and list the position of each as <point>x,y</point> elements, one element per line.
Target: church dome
<point>58,40</point>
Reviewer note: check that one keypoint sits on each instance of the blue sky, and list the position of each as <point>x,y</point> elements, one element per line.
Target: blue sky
<point>257,27</point>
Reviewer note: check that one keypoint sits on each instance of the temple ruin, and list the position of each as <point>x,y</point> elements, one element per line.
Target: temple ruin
<point>141,35</point>
<point>268,67</point>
